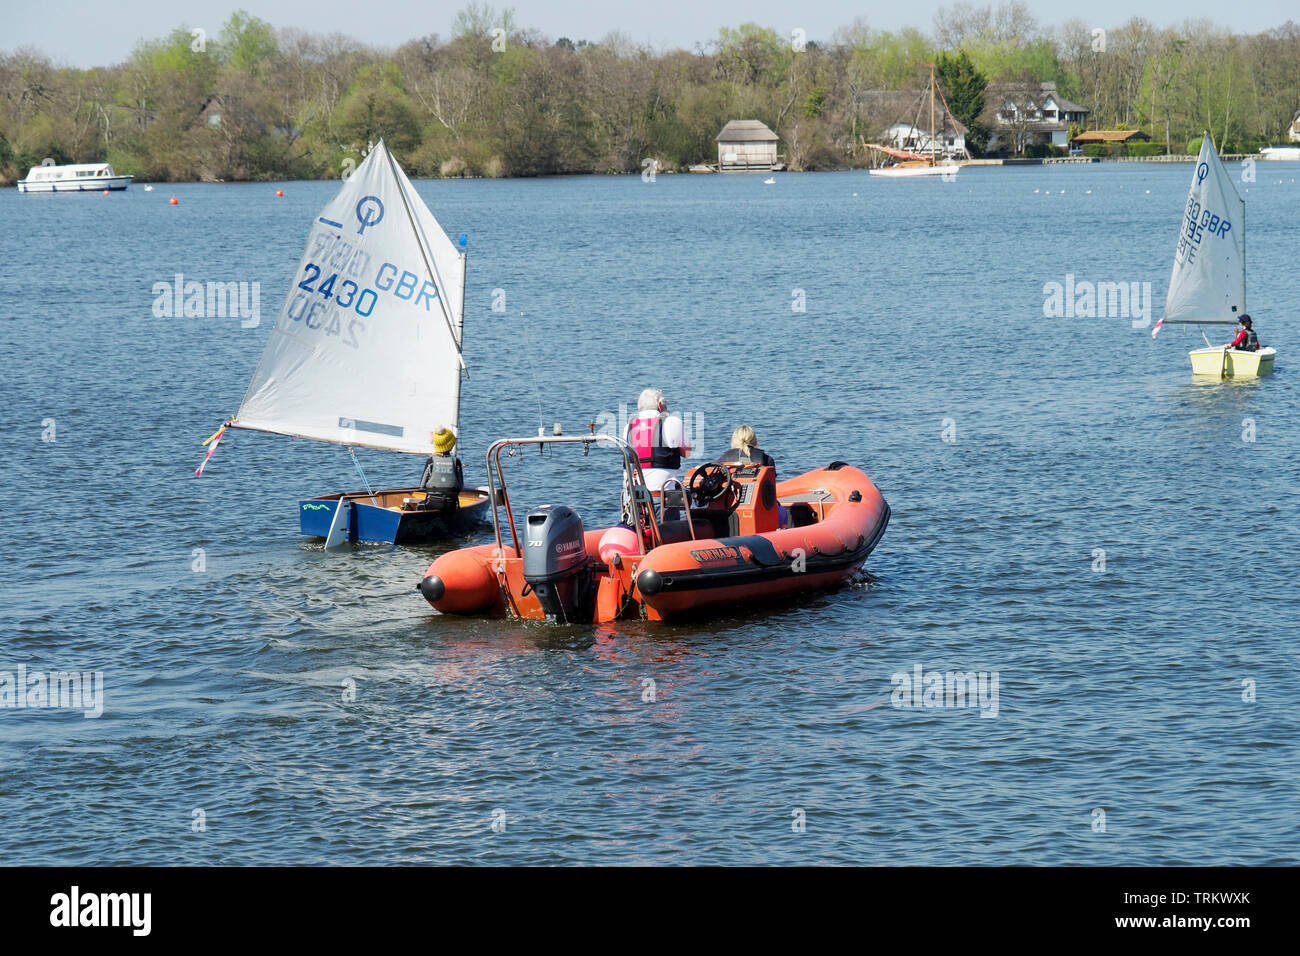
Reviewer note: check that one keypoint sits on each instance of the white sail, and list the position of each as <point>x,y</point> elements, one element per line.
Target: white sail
<point>1208,284</point>
<point>366,350</point>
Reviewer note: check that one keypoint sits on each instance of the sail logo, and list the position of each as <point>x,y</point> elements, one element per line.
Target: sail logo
<point>365,207</point>
<point>948,690</point>
<point>1098,300</point>
<point>191,299</point>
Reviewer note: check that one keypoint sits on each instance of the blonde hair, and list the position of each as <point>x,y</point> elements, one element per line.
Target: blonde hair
<point>744,439</point>
<point>649,400</point>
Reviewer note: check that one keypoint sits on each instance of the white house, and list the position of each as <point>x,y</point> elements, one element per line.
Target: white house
<point>950,140</point>
<point>1020,114</point>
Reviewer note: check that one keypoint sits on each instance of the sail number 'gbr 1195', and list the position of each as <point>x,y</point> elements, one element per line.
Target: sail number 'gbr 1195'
<point>1199,222</point>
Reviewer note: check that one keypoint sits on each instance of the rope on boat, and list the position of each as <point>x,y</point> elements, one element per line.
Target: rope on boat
<point>353,453</point>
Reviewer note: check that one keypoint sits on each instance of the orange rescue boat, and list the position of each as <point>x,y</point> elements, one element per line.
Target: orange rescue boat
<point>731,534</point>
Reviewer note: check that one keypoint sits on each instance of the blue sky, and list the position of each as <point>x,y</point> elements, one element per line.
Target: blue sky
<point>83,33</point>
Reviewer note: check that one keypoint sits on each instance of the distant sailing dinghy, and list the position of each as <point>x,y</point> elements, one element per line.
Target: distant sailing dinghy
<point>914,162</point>
<point>1208,284</point>
<point>366,352</point>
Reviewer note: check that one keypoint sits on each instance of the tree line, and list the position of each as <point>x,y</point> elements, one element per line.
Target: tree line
<point>499,99</point>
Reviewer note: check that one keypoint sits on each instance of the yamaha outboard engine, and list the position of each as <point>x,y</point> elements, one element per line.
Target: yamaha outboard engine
<point>556,564</point>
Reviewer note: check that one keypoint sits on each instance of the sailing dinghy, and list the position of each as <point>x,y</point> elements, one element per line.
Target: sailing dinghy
<point>1208,284</point>
<point>366,352</point>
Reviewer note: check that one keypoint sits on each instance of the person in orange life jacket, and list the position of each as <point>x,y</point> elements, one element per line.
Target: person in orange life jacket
<point>744,448</point>
<point>658,438</point>
<point>1246,340</point>
<point>443,476</point>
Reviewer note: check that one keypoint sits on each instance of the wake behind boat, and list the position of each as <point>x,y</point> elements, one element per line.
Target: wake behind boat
<point>366,352</point>
<point>1208,282</point>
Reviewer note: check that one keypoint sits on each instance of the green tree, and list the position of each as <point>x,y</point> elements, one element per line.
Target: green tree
<point>963,89</point>
<point>247,42</point>
<point>376,106</point>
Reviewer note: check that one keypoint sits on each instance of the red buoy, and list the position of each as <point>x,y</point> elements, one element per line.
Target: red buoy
<point>173,201</point>
<point>279,192</point>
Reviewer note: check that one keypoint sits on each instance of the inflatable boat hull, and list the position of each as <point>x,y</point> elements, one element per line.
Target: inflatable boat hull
<point>837,517</point>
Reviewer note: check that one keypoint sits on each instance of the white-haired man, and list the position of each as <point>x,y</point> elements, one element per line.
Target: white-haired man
<point>659,439</point>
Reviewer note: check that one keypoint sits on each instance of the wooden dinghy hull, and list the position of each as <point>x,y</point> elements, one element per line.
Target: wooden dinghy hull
<point>836,517</point>
<point>389,517</point>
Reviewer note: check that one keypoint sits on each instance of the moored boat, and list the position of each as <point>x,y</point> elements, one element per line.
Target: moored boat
<point>910,163</point>
<point>910,168</point>
<point>731,536</point>
<point>73,178</point>
<point>1286,153</point>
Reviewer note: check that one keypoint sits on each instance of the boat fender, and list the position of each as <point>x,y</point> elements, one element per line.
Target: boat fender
<point>432,588</point>
<point>649,582</point>
<point>855,495</point>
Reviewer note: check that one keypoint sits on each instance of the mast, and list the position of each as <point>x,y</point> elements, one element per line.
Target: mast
<point>433,273</point>
<point>932,159</point>
<point>460,322</point>
<point>1244,310</point>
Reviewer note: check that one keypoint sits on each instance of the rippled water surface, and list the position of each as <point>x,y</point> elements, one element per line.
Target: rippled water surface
<point>1120,690</point>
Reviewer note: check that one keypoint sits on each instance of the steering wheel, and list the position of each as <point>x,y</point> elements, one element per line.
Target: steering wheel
<point>710,482</point>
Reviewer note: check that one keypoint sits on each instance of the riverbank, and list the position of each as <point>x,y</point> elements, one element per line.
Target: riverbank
<point>1056,160</point>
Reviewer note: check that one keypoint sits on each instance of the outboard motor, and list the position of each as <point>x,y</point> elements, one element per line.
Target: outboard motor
<point>556,564</point>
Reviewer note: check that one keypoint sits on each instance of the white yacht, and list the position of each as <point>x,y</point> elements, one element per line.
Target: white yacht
<point>1285,152</point>
<point>74,178</point>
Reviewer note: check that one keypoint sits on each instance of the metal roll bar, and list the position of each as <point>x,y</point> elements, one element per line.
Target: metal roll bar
<point>633,478</point>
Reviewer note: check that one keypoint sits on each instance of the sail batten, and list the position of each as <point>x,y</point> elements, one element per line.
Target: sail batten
<point>366,350</point>
<point>1208,282</point>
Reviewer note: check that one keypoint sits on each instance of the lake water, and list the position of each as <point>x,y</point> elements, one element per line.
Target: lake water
<point>1114,540</point>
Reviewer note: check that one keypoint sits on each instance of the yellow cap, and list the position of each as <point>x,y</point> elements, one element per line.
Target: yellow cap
<point>444,440</point>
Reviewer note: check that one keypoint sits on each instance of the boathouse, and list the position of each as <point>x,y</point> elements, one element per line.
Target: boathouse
<point>1110,136</point>
<point>746,145</point>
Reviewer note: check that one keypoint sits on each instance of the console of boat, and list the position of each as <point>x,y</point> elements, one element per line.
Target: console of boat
<point>729,534</point>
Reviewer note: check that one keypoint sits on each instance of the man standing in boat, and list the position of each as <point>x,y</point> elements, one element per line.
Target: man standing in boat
<point>1246,340</point>
<point>659,439</point>
<point>443,476</point>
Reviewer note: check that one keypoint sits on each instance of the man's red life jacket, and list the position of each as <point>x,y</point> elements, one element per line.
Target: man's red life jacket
<point>646,435</point>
